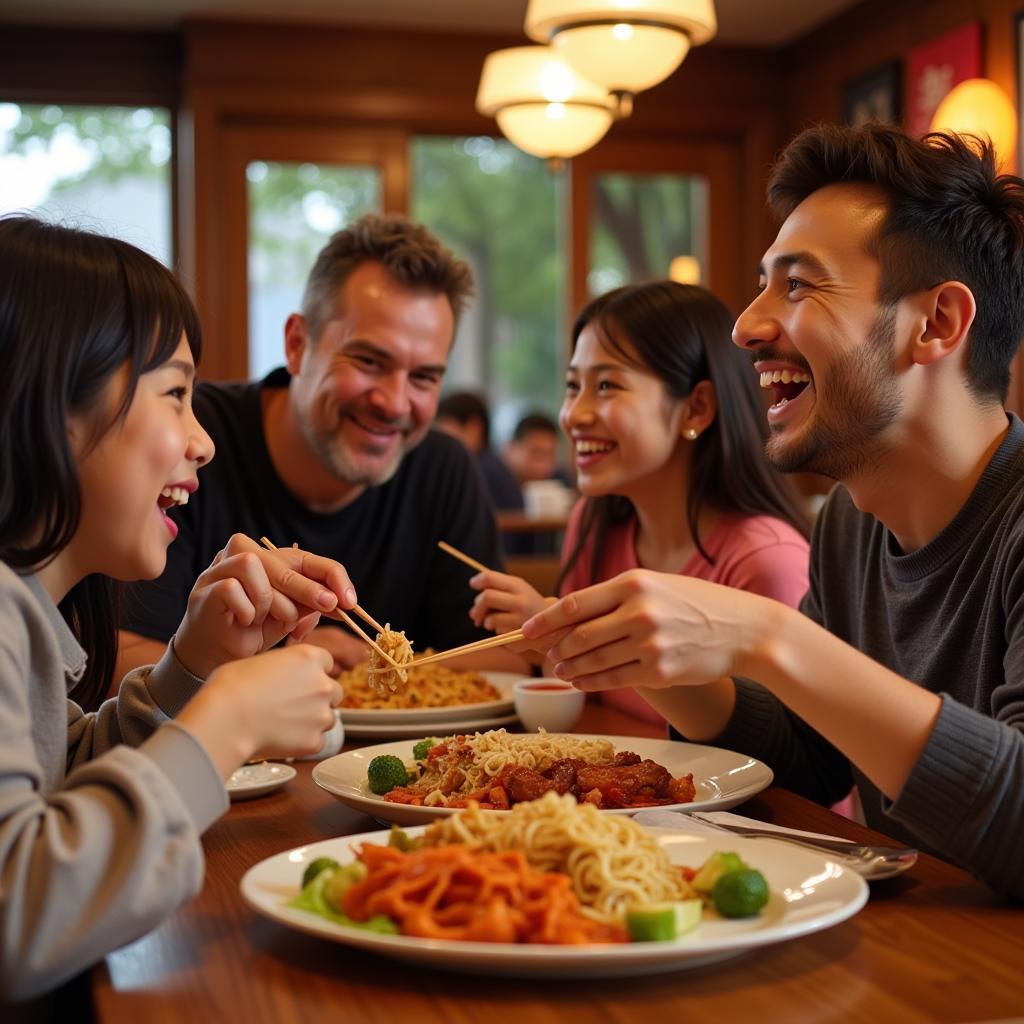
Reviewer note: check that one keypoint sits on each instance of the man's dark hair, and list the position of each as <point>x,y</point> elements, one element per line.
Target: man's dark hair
<point>410,253</point>
<point>534,421</point>
<point>951,217</point>
<point>463,406</point>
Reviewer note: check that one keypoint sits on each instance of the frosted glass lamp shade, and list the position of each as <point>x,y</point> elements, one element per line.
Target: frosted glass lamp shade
<point>623,45</point>
<point>541,104</point>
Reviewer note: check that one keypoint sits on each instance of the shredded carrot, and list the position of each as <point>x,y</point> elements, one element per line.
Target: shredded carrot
<point>452,892</point>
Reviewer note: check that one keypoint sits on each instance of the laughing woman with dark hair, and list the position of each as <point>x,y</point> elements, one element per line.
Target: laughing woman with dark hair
<point>101,812</point>
<point>667,426</point>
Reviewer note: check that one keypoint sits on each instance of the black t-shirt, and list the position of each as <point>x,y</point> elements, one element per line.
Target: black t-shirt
<point>386,538</point>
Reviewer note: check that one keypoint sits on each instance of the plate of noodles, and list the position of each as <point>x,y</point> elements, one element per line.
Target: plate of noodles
<point>544,891</point>
<point>720,778</point>
<point>434,693</point>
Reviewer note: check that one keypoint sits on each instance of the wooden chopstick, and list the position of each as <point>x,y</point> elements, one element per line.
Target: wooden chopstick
<point>477,645</point>
<point>462,557</point>
<point>342,616</point>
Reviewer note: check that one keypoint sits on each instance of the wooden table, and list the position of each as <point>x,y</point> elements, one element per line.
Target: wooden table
<point>932,945</point>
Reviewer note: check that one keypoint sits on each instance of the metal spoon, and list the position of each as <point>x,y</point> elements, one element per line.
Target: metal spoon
<point>872,862</point>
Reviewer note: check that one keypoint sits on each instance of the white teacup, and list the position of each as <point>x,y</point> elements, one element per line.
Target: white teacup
<point>552,704</point>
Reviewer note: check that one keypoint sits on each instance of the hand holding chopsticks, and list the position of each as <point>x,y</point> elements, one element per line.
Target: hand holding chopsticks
<point>342,616</point>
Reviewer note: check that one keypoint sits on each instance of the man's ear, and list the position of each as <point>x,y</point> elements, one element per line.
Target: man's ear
<point>948,311</point>
<point>701,408</point>
<point>296,340</point>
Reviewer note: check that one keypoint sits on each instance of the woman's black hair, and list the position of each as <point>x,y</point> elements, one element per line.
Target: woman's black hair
<point>683,335</point>
<point>75,307</point>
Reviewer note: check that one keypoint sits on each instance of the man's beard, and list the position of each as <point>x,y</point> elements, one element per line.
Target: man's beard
<point>347,466</point>
<point>860,400</point>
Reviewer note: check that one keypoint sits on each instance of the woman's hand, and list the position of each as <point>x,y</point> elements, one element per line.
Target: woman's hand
<point>651,629</point>
<point>249,598</point>
<point>503,603</point>
<point>277,704</point>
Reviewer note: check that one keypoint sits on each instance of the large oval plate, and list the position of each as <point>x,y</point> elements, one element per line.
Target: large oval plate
<point>809,892</point>
<point>722,778</point>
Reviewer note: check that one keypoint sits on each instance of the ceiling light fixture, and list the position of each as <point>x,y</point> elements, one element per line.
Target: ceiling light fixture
<point>624,45</point>
<point>541,104</point>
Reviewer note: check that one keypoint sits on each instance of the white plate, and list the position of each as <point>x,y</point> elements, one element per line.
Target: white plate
<point>809,892</point>
<point>417,731</point>
<point>503,682</point>
<point>721,777</point>
<point>256,779</point>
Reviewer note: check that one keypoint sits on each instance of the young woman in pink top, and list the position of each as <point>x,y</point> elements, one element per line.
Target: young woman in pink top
<point>666,423</point>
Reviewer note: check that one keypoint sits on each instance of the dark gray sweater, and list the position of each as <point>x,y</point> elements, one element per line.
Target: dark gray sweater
<point>949,617</point>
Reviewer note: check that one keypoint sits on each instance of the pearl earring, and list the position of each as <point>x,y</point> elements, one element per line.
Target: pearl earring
<point>690,434</point>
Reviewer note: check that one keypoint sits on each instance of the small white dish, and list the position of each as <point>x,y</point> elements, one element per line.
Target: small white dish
<point>256,779</point>
<point>550,704</point>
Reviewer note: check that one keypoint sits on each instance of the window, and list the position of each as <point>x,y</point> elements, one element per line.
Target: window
<point>293,210</point>
<point>502,211</point>
<point>644,222</point>
<point>105,169</point>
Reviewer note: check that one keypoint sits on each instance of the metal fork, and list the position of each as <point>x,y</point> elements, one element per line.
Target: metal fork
<point>869,861</point>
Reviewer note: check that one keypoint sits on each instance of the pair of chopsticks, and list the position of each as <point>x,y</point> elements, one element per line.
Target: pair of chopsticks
<point>342,616</point>
<point>477,645</point>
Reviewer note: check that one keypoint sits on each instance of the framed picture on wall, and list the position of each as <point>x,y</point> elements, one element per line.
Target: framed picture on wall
<point>934,67</point>
<point>874,96</point>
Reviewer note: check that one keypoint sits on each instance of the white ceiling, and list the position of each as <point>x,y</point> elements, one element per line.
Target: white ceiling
<point>741,22</point>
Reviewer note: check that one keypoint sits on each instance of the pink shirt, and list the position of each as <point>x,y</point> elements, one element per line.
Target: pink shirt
<point>760,554</point>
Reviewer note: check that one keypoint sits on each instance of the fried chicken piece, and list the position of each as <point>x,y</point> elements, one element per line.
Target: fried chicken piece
<point>523,784</point>
<point>627,779</point>
<point>625,757</point>
<point>563,774</point>
<point>682,790</point>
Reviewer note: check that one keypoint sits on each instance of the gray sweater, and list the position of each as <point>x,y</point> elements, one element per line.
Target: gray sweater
<point>100,814</point>
<point>949,617</point>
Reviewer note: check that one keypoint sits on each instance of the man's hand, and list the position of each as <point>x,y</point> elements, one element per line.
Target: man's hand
<point>646,629</point>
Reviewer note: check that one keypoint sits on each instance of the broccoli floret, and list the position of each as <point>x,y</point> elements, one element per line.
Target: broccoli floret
<point>315,867</point>
<point>384,773</point>
<point>419,752</point>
